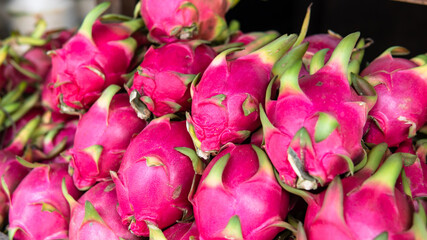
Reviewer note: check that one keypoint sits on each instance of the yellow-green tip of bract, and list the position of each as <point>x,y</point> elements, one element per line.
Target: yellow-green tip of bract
<point>342,53</point>
<point>214,178</point>
<point>272,52</point>
<point>95,13</point>
<point>388,173</point>
<point>233,230</point>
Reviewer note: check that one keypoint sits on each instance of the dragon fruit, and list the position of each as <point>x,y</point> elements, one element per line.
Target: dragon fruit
<point>157,163</point>
<point>11,171</point>
<point>101,52</point>
<point>164,77</point>
<point>414,182</point>
<point>97,150</point>
<point>173,20</point>
<point>38,199</point>
<point>225,101</point>
<point>372,209</point>
<point>313,131</point>
<point>182,231</point>
<point>401,108</point>
<point>239,197</point>
<point>92,217</point>
<point>364,170</point>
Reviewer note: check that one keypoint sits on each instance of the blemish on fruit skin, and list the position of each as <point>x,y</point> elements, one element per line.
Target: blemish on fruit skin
<point>319,84</point>
<point>405,104</point>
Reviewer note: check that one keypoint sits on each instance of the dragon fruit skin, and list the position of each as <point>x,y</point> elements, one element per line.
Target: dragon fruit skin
<point>166,73</point>
<point>153,166</point>
<point>101,52</point>
<point>38,199</point>
<point>225,101</point>
<point>415,169</point>
<point>362,212</point>
<point>239,196</point>
<point>182,231</point>
<point>401,108</point>
<point>92,217</point>
<point>326,128</point>
<point>163,18</point>
<point>173,20</point>
<point>97,150</point>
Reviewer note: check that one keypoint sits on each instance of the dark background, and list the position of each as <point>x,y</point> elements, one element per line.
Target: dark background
<point>387,22</point>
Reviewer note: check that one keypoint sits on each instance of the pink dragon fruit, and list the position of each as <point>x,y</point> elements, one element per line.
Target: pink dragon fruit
<point>401,108</point>
<point>239,197</point>
<point>372,209</point>
<point>38,199</point>
<point>157,163</point>
<point>92,217</point>
<point>313,130</point>
<point>182,231</point>
<point>11,171</point>
<point>164,77</point>
<point>414,182</point>
<point>101,52</point>
<point>97,150</point>
<point>225,102</point>
<point>173,20</point>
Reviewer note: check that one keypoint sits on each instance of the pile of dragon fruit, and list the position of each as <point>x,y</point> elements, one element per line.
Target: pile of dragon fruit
<point>174,124</point>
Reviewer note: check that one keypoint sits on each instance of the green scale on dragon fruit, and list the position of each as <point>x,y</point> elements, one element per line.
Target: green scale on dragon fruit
<point>174,20</point>
<point>83,68</point>
<point>313,131</point>
<point>401,109</point>
<point>238,196</point>
<point>225,101</point>
<point>102,136</point>
<point>159,162</point>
